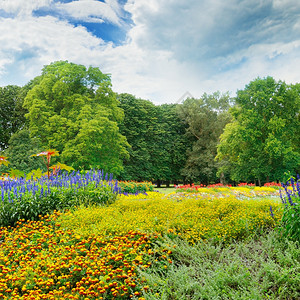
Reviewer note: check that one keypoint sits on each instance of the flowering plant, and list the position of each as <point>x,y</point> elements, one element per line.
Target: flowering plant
<point>290,227</point>
<point>3,160</point>
<point>46,155</point>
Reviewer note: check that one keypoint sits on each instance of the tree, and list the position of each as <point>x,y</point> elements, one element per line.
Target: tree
<point>140,128</point>
<point>12,113</point>
<point>175,143</point>
<point>21,146</point>
<point>262,142</point>
<point>205,119</point>
<point>73,109</point>
<point>155,134</point>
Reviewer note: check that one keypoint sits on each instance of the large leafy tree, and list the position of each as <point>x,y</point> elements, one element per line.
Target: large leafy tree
<point>262,142</point>
<point>156,135</point>
<point>140,126</point>
<point>174,143</point>
<point>205,119</point>
<point>12,113</point>
<point>74,110</point>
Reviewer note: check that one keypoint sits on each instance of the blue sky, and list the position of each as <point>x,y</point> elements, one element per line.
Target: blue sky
<point>154,49</point>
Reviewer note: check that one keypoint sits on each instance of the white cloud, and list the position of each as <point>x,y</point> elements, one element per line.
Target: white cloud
<point>29,43</point>
<point>218,44</point>
<point>22,7</point>
<point>92,10</point>
<point>172,46</point>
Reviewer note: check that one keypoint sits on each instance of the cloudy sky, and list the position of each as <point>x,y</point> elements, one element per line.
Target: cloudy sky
<point>154,49</point>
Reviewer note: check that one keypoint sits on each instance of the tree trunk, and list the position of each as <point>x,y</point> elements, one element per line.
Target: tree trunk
<point>222,178</point>
<point>158,183</point>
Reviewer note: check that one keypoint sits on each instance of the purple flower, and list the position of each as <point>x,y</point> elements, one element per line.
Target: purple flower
<point>271,212</point>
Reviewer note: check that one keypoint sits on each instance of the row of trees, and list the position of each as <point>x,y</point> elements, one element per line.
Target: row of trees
<point>253,137</point>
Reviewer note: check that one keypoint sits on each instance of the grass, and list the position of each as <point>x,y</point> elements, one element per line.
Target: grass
<point>165,190</point>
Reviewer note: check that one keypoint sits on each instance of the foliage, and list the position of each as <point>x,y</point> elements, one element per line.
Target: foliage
<point>262,141</point>
<point>175,144</point>
<point>39,260</point>
<point>205,119</point>
<point>11,113</point>
<point>132,187</point>
<point>140,128</point>
<point>156,136</point>
<point>28,199</point>
<point>194,217</point>
<point>73,109</point>
<point>21,146</point>
<point>290,227</point>
<point>217,271</point>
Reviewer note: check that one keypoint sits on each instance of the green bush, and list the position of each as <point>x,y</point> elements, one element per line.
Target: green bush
<point>290,225</point>
<point>133,187</point>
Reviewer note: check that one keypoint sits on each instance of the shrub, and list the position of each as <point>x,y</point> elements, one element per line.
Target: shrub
<point>290,226</point>
<point>133,187</point>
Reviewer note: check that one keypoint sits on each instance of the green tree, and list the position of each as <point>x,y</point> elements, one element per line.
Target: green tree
<point>21,146</point>
<point>205,119</point>
<point>174,143</point>
<point>262,142</point>
<point>156,136</point>
<point>73,110</point>
<point>12,113</point>
<point>140,128</point>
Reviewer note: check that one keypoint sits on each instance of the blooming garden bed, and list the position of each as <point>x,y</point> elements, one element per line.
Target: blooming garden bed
<point>99,250</point>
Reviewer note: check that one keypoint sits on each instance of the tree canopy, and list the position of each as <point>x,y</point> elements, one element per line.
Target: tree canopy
<point>262,141</point>
<point>205,119</point>
<point>156,136</point>
<point>73,109</point>
<point>12,113</point>
<point>20,149</point>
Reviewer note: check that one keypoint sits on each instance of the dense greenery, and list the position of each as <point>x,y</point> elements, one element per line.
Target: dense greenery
<point>156,135</point>
<point>140,127</point>
<point>253,137</point>
<point>218,271</point>
<point>74,110</point>
<point>291,217</point>
<point>21,147</point>
<point>262,141</point>
<point>206,118</point>
<point>11,113</point>
<point>134,187</point>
